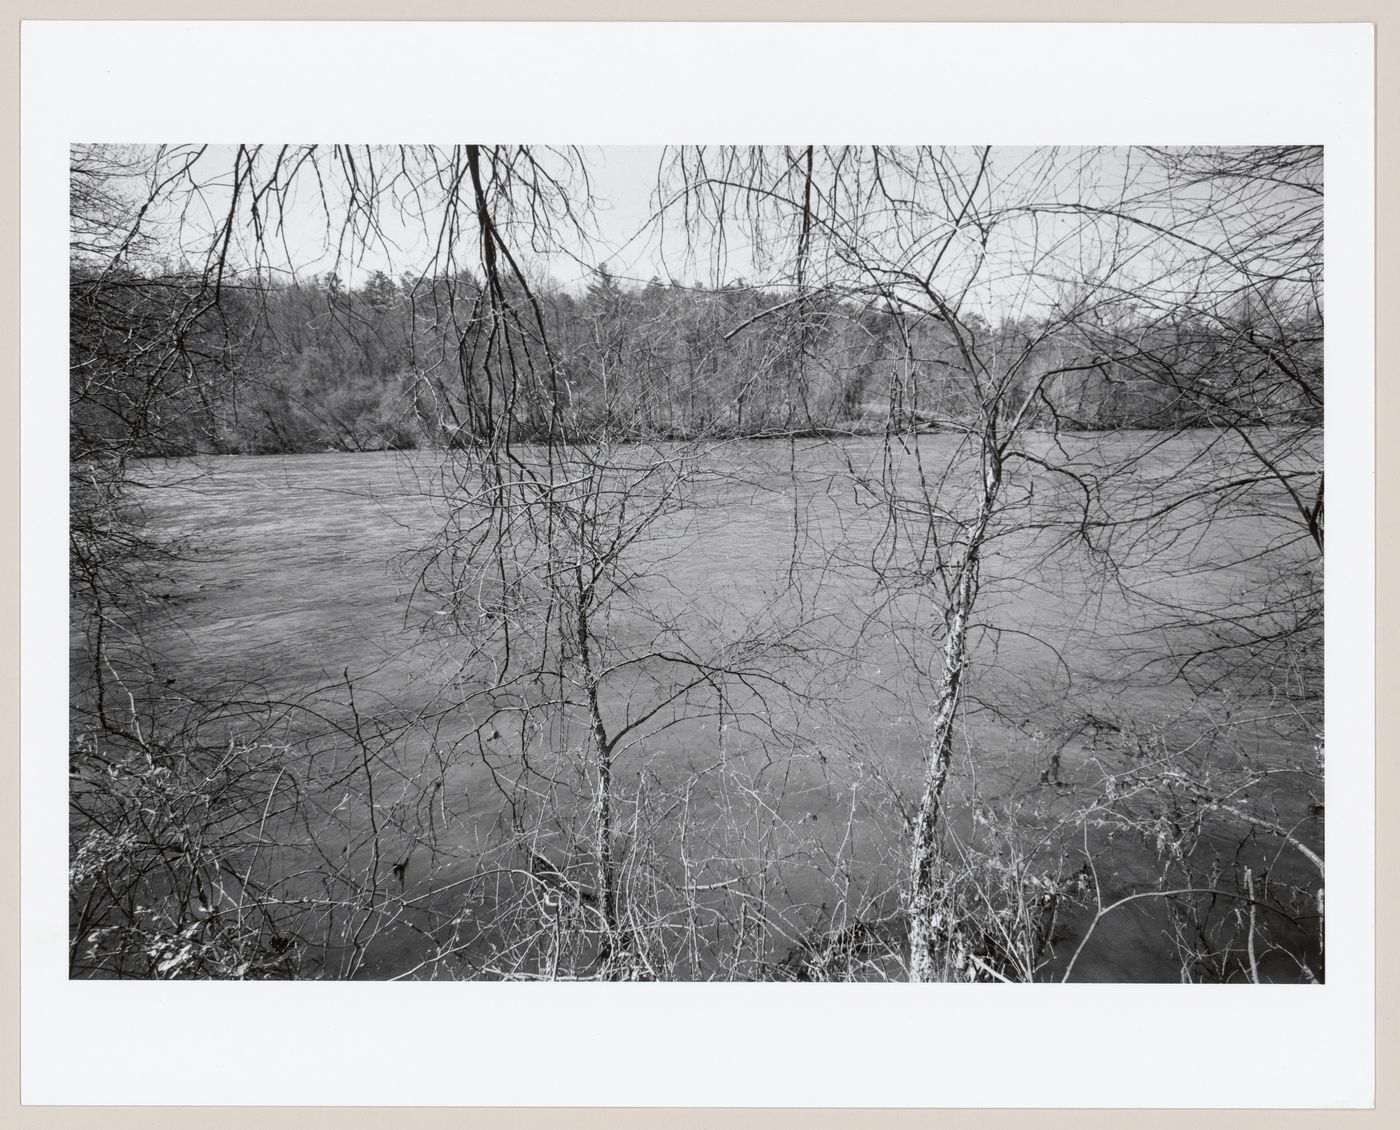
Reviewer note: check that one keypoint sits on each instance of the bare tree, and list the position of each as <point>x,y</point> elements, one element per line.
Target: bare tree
<point>1101,280</point>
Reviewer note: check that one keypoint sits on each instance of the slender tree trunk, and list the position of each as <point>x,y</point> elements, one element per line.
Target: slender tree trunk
<point>607,894</point>
<point>927,935</point>
<point>602,759</point>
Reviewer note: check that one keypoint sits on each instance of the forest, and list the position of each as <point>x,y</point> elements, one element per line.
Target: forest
<point>928,587</point>
<point>324,368</point>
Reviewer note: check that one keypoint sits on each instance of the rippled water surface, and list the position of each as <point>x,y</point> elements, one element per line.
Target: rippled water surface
<point>305,571</point>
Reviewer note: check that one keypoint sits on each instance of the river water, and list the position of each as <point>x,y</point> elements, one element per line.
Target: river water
<point>1091,646</point>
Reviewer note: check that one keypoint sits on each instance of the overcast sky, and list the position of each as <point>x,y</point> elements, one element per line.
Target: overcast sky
<point>1035,252</point>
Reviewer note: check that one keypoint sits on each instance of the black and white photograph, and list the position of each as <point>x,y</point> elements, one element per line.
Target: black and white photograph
<point>700,563</point>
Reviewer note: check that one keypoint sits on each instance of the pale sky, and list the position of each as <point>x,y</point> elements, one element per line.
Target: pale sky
<point>1035,252</point>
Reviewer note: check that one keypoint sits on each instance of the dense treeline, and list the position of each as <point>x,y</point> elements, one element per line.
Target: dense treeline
<point>314,366</point>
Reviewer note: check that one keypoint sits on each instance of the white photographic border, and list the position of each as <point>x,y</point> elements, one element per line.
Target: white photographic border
<point>681,1044</point>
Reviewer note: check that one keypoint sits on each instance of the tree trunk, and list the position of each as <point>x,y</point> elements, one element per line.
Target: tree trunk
<point>602,755</point>
<point>928,953</point>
